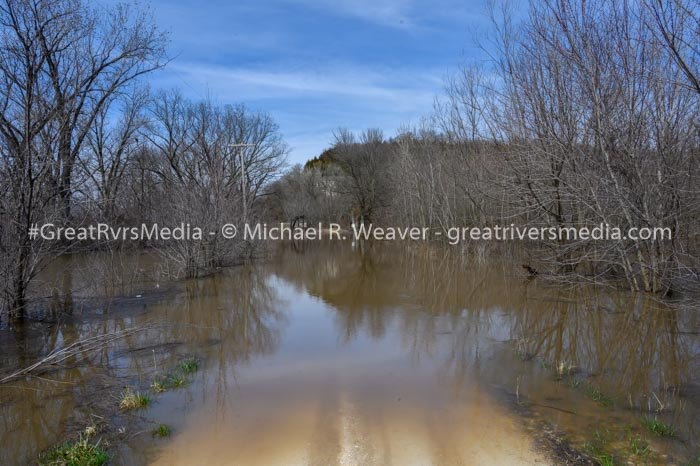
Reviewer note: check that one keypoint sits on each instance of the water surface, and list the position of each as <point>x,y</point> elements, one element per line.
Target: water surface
<point>338,354</point>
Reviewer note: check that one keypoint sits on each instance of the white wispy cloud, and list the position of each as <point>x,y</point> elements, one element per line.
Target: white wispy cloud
<point>392,13</point>
<point>409,15</point>
<point>407,88</point>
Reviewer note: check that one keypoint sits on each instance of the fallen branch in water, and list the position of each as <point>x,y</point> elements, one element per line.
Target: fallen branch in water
<point>59,355</point>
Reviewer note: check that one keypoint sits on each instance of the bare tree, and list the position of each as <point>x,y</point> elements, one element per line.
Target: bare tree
<point>198,165</point>
<point>593,114</point>
<point>364,162</point>
<point>90,55</point>
<point>110,149</point>
<point>676,25</point>
<point>61,61</point>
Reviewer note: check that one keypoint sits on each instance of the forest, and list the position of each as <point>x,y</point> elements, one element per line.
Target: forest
<point>587,113</point>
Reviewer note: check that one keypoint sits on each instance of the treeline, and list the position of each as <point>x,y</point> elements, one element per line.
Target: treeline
<point>586,114</point>
<point>82,140</point>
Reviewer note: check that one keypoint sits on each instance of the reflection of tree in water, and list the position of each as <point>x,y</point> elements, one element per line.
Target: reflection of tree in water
<point>240,313</point>
<point>632,345</point>
<point>99,275</point>
<point>346,279</point>
<point>237,307</point>
<point>428,295</point>
<point>442,304</point>
<point>225,319</point>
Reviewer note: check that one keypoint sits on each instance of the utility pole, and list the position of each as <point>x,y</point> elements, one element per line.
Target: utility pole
<point>243,177</point>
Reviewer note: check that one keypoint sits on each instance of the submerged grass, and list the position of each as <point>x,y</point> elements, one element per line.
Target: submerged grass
<point>590,391</point>
<point>161,431</point>
<point>658,427</point>
<point>166,382</point>
<point>601,448</point>
<point>189,366</point>
<point>133,400</point>
<point>596,395</point>
<point>177,378</point>
<point>598,450</point>
<point>79,452</point>
<point>599,455</point>
<point>174,381</point>
<point>639,447</point>
<point>608,448</point>
<point>158,387</point>
<point>565,371</point>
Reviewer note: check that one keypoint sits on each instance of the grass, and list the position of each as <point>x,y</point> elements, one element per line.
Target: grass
<point>165,383</point>
<point>189,366</point>
<point>158,386</point>
<point>177,378</point>
<point>573,383</point>
<point>133,400</point>
<point>565,373</point>
<point>600,397</point>
<point>80,452</point>
<point>596,395</point>
<point>174,381</point>
<point>90,430</point>
<point>598,449</point>
<point>599,455</point>
<point>658,427</point>
<point>161,431</point>
<point>639,446</point>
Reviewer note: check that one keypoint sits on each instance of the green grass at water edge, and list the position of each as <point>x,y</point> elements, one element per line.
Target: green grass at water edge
<point>161,431</point>
<point>658,427</point>
<point>189,366</point>
<point>133,400</point>
<point>79,452</point>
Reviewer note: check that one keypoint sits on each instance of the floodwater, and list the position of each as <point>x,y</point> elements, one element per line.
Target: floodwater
<point>332,353</point>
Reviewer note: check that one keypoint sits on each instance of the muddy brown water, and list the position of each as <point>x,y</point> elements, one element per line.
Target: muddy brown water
<point>330,353</point>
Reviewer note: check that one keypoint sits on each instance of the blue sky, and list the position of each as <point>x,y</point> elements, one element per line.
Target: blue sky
<point>316,65</point>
